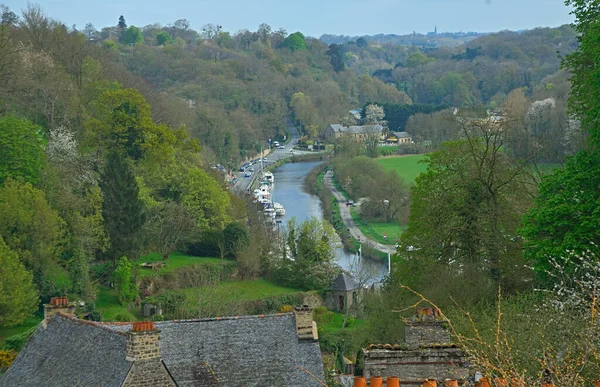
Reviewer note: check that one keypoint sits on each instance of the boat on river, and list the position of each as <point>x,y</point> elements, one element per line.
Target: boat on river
<point>279,210</point>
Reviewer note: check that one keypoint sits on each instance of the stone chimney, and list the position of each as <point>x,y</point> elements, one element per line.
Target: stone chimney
<point>142,342</point>
<point>142,349</point>
<point>426,328</point>
<point>57,305</point>
<point>306,328</point>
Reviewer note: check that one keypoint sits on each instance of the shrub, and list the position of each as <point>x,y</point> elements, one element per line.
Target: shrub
<point>16,342</point>
<point>286,309</point>
<point>7,356</point>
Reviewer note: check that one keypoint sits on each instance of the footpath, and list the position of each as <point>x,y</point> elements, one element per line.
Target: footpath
<point>347,218</point>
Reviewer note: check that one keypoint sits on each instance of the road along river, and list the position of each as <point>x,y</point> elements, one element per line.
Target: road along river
<point>288,191</point>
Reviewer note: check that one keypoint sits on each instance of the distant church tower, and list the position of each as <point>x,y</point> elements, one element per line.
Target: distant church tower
<point>435,31</point>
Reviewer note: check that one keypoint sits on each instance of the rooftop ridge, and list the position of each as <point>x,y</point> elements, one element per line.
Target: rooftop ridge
<point>95,324</point>
<point>104,324</point>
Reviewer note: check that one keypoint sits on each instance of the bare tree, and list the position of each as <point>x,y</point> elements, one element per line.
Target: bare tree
<point>170,226</point>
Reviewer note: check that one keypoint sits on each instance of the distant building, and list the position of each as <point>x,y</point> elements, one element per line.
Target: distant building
<point>398,138</point>
<point>265,350</point>
<point>335,131</point>
<point>343,292</point>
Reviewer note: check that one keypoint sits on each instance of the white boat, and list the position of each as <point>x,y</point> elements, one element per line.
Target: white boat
<point>268,176</point>
<point>279,210</point>
<point>270,212</point>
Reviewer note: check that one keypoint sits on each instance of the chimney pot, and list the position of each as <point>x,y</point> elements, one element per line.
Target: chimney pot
<point>376,381</point>
<point>57,305</point>
<point>360,381</point>
<point>392,381</point>
<point>430,383</point>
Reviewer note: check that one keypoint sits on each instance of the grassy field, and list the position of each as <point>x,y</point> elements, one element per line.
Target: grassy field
<point>408,167</point>
<point>176,261</point>
<point>108,304</point>
<point>28,324</point>
<point>376,230</point>
<point>241,291</point>
<point>330,322</point>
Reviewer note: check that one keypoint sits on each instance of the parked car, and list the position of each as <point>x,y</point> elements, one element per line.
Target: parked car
<point>248,174</point>
<point>350,202</point>
<point>281,146</point>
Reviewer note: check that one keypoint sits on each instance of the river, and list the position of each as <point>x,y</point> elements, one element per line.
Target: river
<point>288,191</point>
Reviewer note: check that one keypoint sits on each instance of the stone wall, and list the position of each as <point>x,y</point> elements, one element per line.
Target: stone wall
<point>421,334</point>
<point>145,373</point>
<point>414,366</point>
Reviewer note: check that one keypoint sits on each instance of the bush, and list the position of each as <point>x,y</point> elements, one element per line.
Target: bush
<point>16,342</point>
<point>92,313</point>
<point>7,356</point>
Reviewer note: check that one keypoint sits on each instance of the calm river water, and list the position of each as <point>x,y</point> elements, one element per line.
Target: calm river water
<point>288,191</point>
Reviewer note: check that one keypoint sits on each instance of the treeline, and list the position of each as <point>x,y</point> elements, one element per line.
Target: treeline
<point>95,166</point>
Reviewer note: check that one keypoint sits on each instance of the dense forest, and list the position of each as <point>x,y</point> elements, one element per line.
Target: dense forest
<point>107,139</point>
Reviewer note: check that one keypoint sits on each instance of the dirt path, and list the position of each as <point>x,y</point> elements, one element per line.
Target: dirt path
<point>347,218</point>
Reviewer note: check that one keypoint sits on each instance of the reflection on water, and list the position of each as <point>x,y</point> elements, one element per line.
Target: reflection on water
<point>289,192</point>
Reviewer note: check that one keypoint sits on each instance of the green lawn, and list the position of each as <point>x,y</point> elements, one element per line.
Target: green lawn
<point>376,230</point>
<point>28,324</point>
<point>241,291</point>
<point>108,304</point>
<point>175,261</point>
<point>408,167</point>
<point>331,322</point>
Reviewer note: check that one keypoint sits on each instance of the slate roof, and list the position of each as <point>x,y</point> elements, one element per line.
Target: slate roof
<point>70,353</point>
<point>238,351</point>
<point>344,282</point>
<point>402,135</point>
<point>339,128</point>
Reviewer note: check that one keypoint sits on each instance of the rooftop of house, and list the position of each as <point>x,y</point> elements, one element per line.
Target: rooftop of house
<point>360,129</point>
<point>401,134</point>
<point>343,282</point>
<point>233,351</point>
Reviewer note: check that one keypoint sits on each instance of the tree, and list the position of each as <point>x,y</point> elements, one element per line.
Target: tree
<point>127,290</point>
<point>583,98</point>
<point>31,228</point>
<point>90,32</point>
<point>388,197</point>
<point>121,24</point>
<point>417,59</point>
<point>169,226</point>
<point>21,150</point>
<point>362,42</point>
<point>336,57</point>
<point>18,297</point>
<point>295,42</point>
<point>236,238</point>
<point>204,199</point>
<point>564,218</point>
<point>122,208</point>
<point>305,112</point>
<point>163,38</point>
<point>133,36</point>
<point>466,209</point>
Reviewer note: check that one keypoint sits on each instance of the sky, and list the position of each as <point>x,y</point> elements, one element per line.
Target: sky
<point>315,17</point>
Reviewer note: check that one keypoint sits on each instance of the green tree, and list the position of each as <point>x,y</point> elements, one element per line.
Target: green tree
<point>295,42</point>
<point>31,228</point>
<point>466,209</point>
<point>124,281</point>
<point>133,36</point>
<point>236,238</point>
<point>163,37</point>
<point>417,59</point>
<point>122,208</point>
<point>18,296</point>
<point>21,149</point>
<point>170,225</point>
<point>336,57</point>
<point>585,88</point>
<point>566,214</point>
<point>121,23</point>
<point>205,200</point>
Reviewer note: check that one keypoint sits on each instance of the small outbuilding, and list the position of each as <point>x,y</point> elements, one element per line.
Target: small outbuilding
<point>342,293</point>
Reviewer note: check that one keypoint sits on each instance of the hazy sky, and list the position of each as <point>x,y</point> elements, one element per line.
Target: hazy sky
<point>315,17</point>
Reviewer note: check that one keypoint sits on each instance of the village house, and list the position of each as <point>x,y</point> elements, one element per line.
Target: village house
<point>360,133</point>
<point>343,292</point>
<point>266,350</point>
<point>398,138</point>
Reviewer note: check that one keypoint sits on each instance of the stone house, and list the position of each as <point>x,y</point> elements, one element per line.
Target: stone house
<point>398,138</point>
<point>427,354</point>
<point>266,350</point>
<point>360,133</point>
<point>343,292</point>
